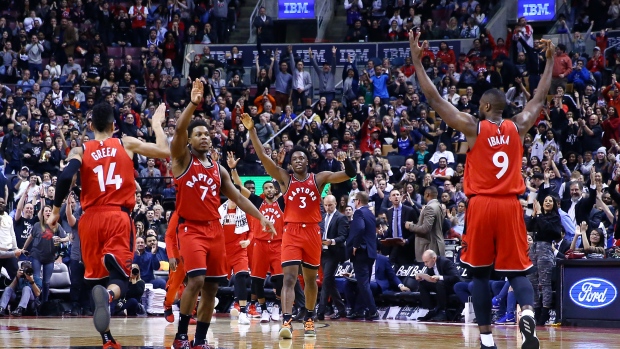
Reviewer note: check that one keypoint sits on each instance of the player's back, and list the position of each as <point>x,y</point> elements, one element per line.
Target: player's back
<point>493,165</point>
<point>198,195</point>
<point>107,175</point>
<point>303,201</point>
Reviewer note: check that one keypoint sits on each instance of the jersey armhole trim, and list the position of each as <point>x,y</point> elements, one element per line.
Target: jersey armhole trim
<point>517,127</point>
<point>191,158</point>
<point>478,128</point>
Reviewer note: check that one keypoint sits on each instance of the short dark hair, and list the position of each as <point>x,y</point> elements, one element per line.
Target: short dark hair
<point>432,191</point>
<point>496,98</point>
<point>298,148</point>
<point>196,123</point>
<point>249,181</point>
<point>103,116</point>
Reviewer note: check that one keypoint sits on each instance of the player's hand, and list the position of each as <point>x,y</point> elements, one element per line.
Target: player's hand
<point>268,226</point>
<point>549,48</point>
<point>244,243</point>
<point>247,121</point>
<point>342,156</point>
<point>231,161</point>
<point>52,220</point>
<point>160,115</point>
<point>172,262</point>
<point>416,50</point>
<point>198,91</point>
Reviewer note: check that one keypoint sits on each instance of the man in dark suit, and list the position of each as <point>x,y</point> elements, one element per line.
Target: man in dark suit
<point>334,228</point>
<point>559,248</point>
<point>361,249</point>
<point>382,280</point>
<point>264,26</point>
<point>330,163</point>
<point>397,216</point>
<point>440,277</point>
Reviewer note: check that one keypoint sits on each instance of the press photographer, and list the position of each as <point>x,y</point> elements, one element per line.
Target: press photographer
<point>25,285</point>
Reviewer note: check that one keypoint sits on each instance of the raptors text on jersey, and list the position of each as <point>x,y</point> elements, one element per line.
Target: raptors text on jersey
<point>303,201</point>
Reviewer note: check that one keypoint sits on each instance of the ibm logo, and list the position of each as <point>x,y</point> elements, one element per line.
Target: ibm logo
<point>536,9</point>
<point>296,7</point>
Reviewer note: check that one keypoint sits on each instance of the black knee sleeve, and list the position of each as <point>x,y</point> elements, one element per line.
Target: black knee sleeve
<point>481,298</point>
<point>524,292</point>
<point>241,291</point>
<point>258,286</point>
<point>117,275</point>
<point>278,282</point>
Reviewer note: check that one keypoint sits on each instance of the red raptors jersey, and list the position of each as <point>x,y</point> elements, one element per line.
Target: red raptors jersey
<point>107,175</point>
<point>493,165</point>
<point>302,200</point>
<point>198,195</point>
<point>275,215</point>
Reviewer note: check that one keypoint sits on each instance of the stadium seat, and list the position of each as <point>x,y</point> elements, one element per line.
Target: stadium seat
<point>115,52</point>
<point>60,281</point>
<point>396,161</point>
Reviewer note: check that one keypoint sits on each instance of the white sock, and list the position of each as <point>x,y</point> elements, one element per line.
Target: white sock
<point>528,312</point>
<point>487,340</point>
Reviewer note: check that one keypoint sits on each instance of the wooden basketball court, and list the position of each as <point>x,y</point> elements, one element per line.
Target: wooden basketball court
<point>226,333</point>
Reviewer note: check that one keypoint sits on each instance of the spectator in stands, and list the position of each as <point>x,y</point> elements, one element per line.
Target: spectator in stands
<point>398,215</point>
<point>45,240</point>
<point>301,83</point>
<point>25,284</point>
<point>562,67</point>
<point>264,26</point>
<point>356,33</point>
<point>430,31</point>
<point>593,244</point>
<point>148,263</point>
<point>579,77</point>
<point>283,81</point>
<point>327,84</point>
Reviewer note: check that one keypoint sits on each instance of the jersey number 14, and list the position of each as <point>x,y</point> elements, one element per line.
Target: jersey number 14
<point>111,179</point>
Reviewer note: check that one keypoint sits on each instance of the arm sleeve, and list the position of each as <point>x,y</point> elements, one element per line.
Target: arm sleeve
<point>64,181</point>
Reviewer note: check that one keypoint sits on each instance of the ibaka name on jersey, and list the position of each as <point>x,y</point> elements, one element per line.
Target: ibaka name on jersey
<point>200,179</point>
<point>271,214</point>
<point>498,140</point>
<point>103,153</point>
<point>301,191</point>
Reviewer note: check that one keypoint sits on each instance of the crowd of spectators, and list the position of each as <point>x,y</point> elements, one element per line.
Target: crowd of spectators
<point>60,59</point>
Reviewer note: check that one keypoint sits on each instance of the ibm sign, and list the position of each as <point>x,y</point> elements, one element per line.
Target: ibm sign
<point>296,9</point>
<point>536,10</point>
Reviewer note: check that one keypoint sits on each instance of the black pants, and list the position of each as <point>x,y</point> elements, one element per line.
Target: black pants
<point>362,264</point>
<point>10,264</point>
<point>78,291</point>
<point>329,289</point>
<point>441,289</point>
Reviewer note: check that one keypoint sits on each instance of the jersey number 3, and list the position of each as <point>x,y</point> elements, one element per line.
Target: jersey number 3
<point>111,179</point>
<point>500,159</point>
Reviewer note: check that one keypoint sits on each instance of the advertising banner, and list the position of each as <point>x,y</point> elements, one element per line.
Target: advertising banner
<point>292,9</point>
<point>536,10</point>
<point>589,291</point>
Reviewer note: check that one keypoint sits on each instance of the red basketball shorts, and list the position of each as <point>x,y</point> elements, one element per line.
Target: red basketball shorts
<point>201,246</point>
<point>237,258</point>
<point>105,230</point>
<point>301,244</point>
<point>495,234</point>
<point>267,258</point>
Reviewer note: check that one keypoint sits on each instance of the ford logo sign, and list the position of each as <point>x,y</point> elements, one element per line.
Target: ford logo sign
<point>593,293</point>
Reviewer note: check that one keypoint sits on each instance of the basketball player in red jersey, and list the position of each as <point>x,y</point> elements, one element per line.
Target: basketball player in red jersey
<point>108,197</point>
<point>492,183</point>
<point>200,234</point>
<point>238,237</point>
<point>267,254</point>
<point>301,238</point>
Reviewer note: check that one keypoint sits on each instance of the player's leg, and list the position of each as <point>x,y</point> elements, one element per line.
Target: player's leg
<point>241,293</point>
<point>481,299</point>
<point>205,310</point>
<point>311,291</point>
<point>288,297</point>
<point>195,283</point>
<point>513,261</point>
<point>277,281</point>
<point>175,280</point>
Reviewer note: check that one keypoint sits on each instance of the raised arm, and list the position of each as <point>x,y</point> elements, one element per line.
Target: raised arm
<point>178,145</point>
<point>272,169</point>
<point>159,149</point>
<point>229,190</point>
<point>453,117</point>
<point>21,203</point>
<point>69,212</point>
<point>344,175</point>
<point>232,165</point>
<point>525,120</point>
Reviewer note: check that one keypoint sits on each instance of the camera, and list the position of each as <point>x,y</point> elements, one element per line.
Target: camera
<point>135,271</point>
<point>28,270</point>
